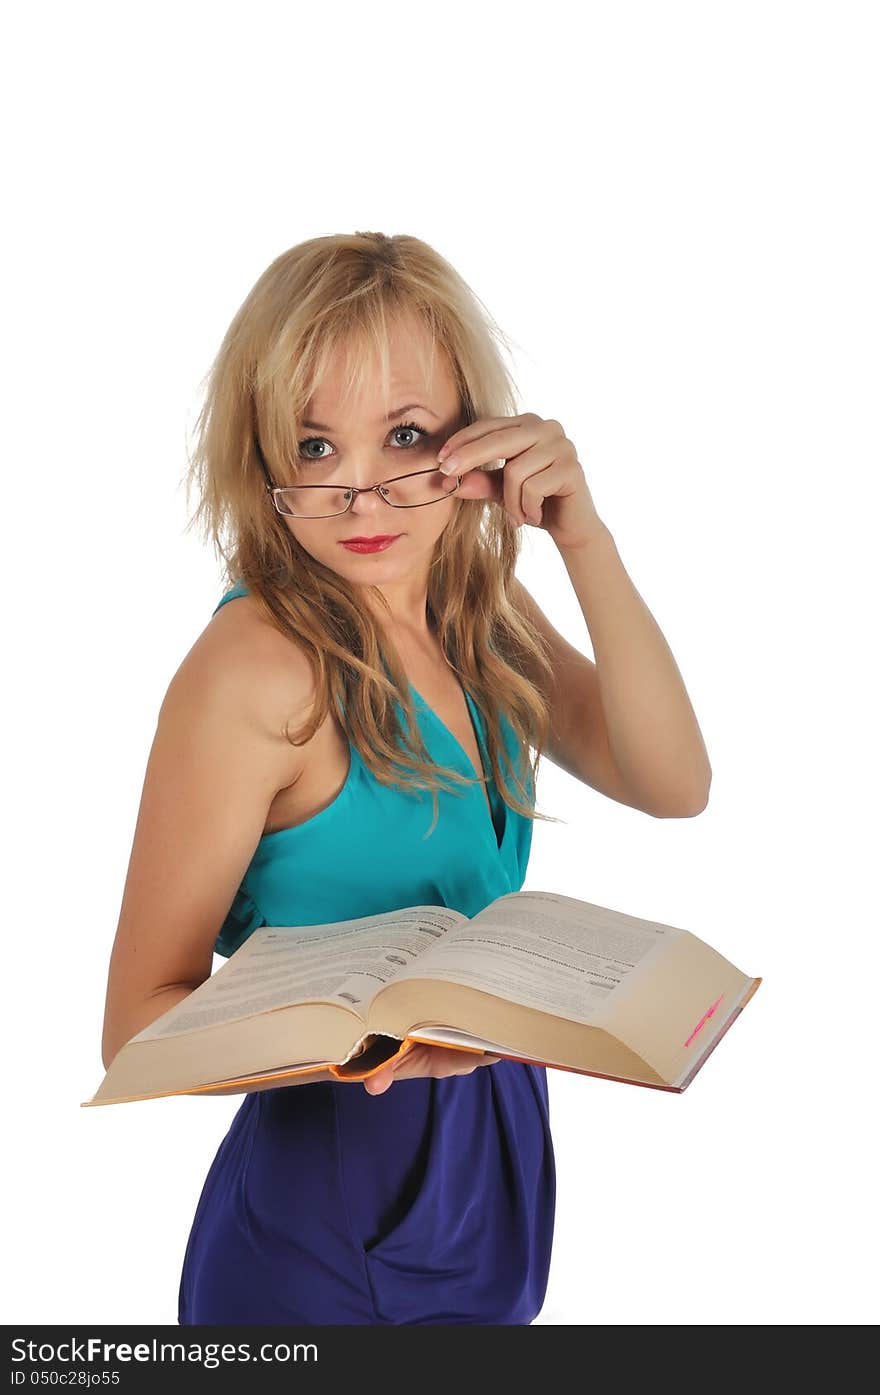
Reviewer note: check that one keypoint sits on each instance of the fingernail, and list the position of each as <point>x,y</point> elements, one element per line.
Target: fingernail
<point>449,464</point>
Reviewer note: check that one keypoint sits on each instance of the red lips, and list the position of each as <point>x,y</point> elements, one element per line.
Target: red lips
<point>381,543</point>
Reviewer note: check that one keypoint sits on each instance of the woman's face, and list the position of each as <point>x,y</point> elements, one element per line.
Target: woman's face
<point>359,447</point>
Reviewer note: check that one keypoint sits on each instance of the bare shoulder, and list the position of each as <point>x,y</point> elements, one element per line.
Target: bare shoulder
<point>218,761</point>
<point>241,658</point>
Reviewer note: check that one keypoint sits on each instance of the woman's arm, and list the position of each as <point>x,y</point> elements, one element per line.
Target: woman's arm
<point>140,1015</point>
<point>218,759</point>
<point>624,724</point>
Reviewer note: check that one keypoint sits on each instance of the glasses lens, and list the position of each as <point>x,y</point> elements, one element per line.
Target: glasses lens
<point>325,500</point>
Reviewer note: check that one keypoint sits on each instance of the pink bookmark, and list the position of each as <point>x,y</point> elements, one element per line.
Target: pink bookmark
<point>703,1019</point>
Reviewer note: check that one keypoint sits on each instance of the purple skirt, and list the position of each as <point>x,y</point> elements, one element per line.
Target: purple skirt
<point>431,1203</point>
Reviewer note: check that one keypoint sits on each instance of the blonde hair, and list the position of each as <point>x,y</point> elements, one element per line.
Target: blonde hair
<point>342,292</point>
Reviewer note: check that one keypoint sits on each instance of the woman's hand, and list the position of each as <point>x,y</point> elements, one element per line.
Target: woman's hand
<point>541,481</point>
<point>422,1059</point>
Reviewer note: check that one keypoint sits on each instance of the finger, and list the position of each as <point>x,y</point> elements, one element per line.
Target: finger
<point>377,1084</point>
<point>491,445</point>
<point>482,484</point>
<point>474,430</point>
<point>519,477</point>
<point>450,1060</point>
<point>538,486</point>
<point>426,1060</point>
<point>398,1069</point>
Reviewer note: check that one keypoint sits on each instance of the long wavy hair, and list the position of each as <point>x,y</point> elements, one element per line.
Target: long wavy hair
<point>342,292</point>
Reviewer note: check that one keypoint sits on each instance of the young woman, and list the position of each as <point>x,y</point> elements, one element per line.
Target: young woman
<point>337,684</point>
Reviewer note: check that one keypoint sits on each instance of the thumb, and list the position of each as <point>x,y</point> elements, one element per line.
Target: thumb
<point>482,484</point>
<point>380,1082</point>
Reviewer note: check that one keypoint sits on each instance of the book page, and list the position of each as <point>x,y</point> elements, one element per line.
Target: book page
<point>345,962</point>
<point>554,953</point>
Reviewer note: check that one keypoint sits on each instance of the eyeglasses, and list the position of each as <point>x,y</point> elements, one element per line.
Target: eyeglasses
<point>327,500</point>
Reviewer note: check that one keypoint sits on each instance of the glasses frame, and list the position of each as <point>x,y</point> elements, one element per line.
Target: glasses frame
<point>353,490</point>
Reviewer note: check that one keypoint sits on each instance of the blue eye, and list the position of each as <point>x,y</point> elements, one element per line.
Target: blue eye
<point>321,440</point>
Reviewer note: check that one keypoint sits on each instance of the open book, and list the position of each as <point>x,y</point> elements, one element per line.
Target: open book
<point>534,977</point>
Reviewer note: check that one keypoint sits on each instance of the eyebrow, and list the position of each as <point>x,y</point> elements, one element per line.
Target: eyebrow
<point>398,412</point>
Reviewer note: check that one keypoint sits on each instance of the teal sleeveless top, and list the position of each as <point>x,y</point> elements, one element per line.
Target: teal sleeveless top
<point>369,850</point>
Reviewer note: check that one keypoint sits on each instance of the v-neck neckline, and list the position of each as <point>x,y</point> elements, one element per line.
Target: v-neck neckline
<point>474,715</point>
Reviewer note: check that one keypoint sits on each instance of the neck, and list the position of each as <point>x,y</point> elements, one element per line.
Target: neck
<point>404,609</point>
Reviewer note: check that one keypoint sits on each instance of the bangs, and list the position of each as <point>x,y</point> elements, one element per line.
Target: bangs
<point>353,334</point>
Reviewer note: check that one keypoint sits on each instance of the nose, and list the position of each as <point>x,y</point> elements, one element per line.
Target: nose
<point>368,501</point>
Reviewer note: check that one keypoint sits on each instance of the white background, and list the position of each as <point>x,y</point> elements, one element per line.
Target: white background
<point>671,210</point>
